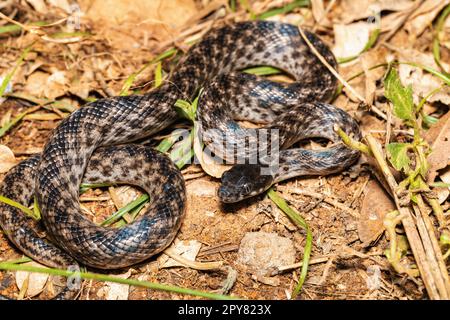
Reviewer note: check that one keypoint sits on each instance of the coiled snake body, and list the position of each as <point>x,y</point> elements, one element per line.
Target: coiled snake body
<point>86,145</point>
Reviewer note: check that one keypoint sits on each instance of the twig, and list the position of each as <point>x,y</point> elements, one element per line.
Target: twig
<point>330,68</point>
<point>328,200</point>
<point>193,264</point>
<point>435,254</point>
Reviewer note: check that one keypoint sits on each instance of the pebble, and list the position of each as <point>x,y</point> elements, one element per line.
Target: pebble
<point>262,252</point>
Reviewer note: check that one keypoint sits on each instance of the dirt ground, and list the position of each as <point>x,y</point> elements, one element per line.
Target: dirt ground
<point>93,53</point>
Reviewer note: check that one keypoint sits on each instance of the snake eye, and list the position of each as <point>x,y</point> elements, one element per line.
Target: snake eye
<point>246,188</point>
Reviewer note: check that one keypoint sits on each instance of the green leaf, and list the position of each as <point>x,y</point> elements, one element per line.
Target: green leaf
<point>187,109</point>
<point>444,240</point>
<point>17,205</point>
<point>398,155</point>
<point>400,96</point>
<point>418,185</point>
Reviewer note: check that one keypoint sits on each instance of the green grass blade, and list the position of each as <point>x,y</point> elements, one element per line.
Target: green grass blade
<point>168,142</point>
<point>17,205</point>
<point>9,76</point>
<point>245,4</point>
<point>11,123</point>
<point>233,5</point>
<point>263,71</point>
<point>428,96</point>
<point>36,210</point>
<point>119,213</point>
<point>86,186</point>
<point>299,221</point>
<point>101,277</point>
<point>15,28</point>
<point>130,80</point>
<point>436,40</point>
<point>24,259</point>
<point>285,9</point>
<point>158,75</point>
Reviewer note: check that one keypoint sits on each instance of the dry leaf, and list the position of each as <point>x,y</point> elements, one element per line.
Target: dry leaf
<point>186,249</point>
<point>438,136</point>
<point>319,14</point>
<point>123,195</point>
<point>62,4</point>
<point>117,291</point>
<point>371,77</point>
<point>36,281</point>
<point>36,84</point>
<point>7,159</point>
<point>423,16</point>
<point>351,39</point>
<point>422,82</point>
<point>376,204</point>
<point>125,22</point>
<point>80,89</point>
<point>445,176</point>
<point>208,164</point>
<point>201,188</point>
<point>138,11</point>
<point>56,84</point>
<point>356,10</point>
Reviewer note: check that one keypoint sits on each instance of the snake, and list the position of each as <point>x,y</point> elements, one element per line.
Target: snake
<point>101,143</point>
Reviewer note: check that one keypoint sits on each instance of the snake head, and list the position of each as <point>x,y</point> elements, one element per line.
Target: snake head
<point>243,181</point>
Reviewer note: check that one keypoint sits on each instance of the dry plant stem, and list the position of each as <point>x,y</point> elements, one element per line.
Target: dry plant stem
<point>438,211</point>
<point>320,196</point>
<point>193,264</point>
<point>430,232</point>
<point>388,125</point>
<point>423,250</point>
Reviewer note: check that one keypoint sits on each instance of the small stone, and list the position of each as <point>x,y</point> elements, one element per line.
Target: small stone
<point>262,252</point>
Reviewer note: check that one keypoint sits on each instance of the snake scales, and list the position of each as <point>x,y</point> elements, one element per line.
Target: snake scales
<point>88,145</point>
